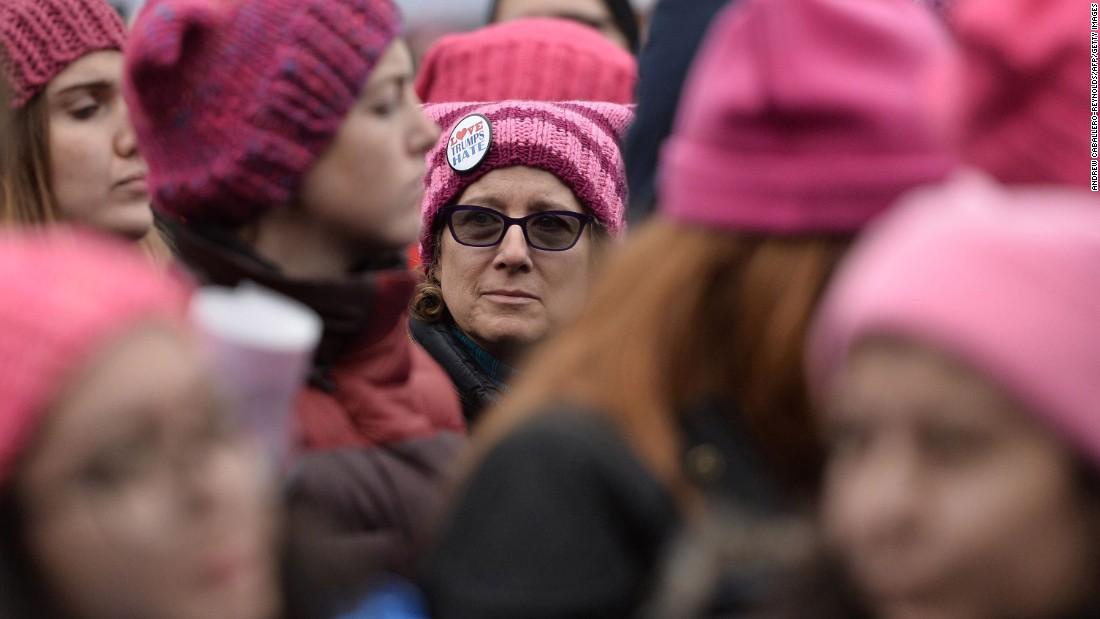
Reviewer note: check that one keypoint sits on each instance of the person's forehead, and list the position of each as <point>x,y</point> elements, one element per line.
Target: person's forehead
<point>556,8</point>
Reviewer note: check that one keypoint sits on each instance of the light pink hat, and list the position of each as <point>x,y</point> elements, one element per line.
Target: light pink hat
<point>576,141</point>
<point>540,59</point>
<point>805,116</point>
<point>1006,281</point>
<point>62,295</point>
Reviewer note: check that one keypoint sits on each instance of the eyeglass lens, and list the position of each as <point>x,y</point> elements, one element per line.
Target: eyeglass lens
<point>481,228</point>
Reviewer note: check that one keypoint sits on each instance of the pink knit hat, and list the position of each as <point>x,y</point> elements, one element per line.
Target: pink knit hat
<point>1021,89</point>
<point>233,102</point>
<point>63,294</point>
<point>538,59</point>
<point>39,38</point>
<point>574,140</point>
<point>1006,281</point>
<point>805,116</point>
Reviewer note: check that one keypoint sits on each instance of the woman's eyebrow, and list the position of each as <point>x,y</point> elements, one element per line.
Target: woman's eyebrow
<point>395,79</point>
<point>490,201</point>
<point>90,85</point>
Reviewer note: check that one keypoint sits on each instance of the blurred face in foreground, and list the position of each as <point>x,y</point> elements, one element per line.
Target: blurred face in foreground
<point>140,500</point>
<point>947,500</point>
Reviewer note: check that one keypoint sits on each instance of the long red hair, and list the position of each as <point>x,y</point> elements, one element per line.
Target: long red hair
<point>678,312</point>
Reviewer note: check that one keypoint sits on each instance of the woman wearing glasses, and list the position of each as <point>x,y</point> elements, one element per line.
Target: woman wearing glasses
<point>680,381</point>
<point>521,198</point>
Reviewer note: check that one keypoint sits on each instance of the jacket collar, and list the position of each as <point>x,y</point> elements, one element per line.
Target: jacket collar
<point>356,310</point>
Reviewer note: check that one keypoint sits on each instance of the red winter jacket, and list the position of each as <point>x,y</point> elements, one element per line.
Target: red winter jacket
<point>379,424</point>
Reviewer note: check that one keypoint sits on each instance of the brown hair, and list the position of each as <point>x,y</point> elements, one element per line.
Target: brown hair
<point>25,194</point>
<point>682,312</point>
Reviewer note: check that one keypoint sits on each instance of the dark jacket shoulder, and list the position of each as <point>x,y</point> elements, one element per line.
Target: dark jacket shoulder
<point>475,389</point>
<point>561,519</point>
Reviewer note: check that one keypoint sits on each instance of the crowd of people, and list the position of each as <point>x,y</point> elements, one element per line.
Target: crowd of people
<point>755,308</point>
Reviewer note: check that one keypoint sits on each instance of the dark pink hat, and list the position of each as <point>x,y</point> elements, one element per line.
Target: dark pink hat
<point>1022,86</point>
<point>805,116</point>
<point>233,102</point>
<point>1004,280</point>
<point>540,59</point>
<point>576,141</point>
<point>39,38</point>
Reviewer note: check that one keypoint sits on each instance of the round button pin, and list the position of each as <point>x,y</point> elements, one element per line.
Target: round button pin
<point>469,142</point>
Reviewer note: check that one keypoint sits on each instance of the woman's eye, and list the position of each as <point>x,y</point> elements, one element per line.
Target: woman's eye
<point>551,222</point>
<point>116,470</point>
<point>384,108</point>
<point>847,440</point>
<point>478,218</point>
<point>950,445</point>
<point>122,463</point>
<point>84,112</point>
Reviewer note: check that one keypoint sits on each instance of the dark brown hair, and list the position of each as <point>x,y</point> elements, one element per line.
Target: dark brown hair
<point>683,311</point>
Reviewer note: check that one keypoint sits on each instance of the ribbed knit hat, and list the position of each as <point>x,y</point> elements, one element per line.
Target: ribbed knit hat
<point>62,295</point>
<point>1005,280</point>
<point>537,59</point>
<point>576,141</point>
<point>1021,81</point>
<point>39,38</point>
<point>233,102</point>
<point>805,116</point>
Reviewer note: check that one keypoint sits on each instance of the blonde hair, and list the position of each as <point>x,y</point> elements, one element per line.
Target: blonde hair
<point>679,313</point>
<point>25,194</point>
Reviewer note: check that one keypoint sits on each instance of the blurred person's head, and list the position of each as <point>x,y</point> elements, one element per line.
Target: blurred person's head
<point>71,154</point>
<point>1013,96</point>
<point>779,155</point>
<point>126,489</point>
<point>556,166</point>
<point>264,118</point>
<point>540,59</point>
<point>955,358</point>
<point>615,19</point>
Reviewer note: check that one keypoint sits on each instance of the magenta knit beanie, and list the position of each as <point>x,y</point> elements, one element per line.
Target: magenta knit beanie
<point>576,141</point>
<point>1021,86</point>
<point>233,102</point>
<point>63,294</point>
<point>40,38</point>
<point>805,116</point>
<point>538,59</point>
<point>1005,280</point>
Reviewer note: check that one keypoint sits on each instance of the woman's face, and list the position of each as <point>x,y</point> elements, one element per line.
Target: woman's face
<point>141,500</point>
<point>591,12</point>
<point>367,186</point>
<point>96,173</point>
<point>945,500</point>
<point>509,296</point>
